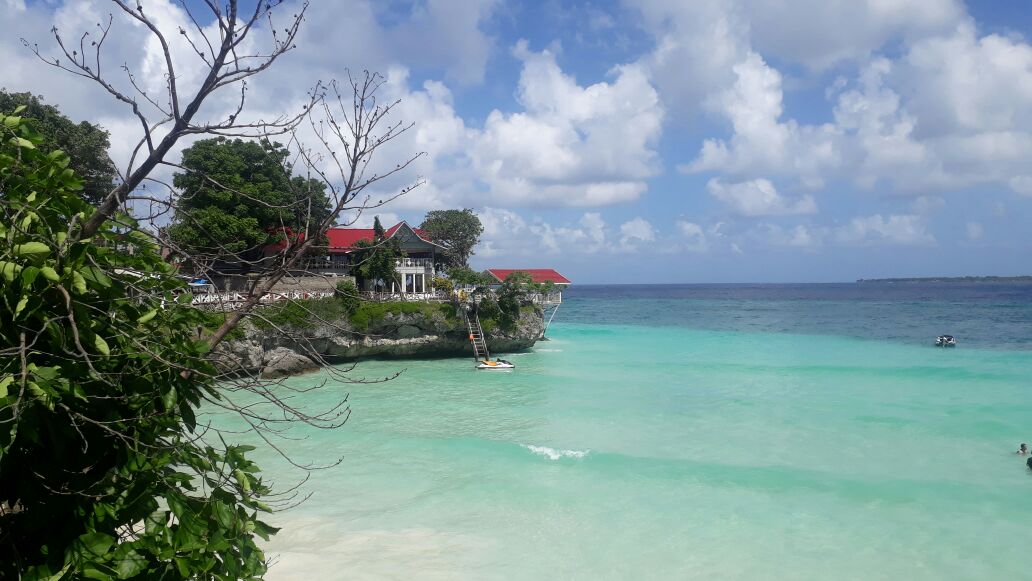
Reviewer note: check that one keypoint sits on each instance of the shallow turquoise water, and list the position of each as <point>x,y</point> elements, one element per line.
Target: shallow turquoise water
<point>620,451</point>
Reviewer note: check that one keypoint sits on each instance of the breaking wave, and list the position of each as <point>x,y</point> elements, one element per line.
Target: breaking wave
<point>553,454</point>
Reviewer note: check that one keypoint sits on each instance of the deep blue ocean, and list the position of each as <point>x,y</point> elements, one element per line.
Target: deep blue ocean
<point>980,315</point>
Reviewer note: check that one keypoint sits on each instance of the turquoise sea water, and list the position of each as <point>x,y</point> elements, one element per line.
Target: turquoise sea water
<point>688,433</point>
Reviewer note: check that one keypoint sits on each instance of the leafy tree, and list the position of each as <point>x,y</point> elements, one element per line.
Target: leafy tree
<point>465,276</point>
<point>239,197</point>
<point>101,473</point>
<point>378,260</point>
<point>457,230</point>
<point>347,294</point>
<point>511,294</point>
<point>442,284</point>
<point>86,144</point>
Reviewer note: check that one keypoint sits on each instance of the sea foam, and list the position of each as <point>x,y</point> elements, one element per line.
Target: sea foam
<point>553,454</point>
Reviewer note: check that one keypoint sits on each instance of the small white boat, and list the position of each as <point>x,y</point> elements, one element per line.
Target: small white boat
<point>945,341</point>
<point>496,364</point>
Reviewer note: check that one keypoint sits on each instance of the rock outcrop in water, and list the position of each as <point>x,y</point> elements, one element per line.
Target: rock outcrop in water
<point>293,349</point>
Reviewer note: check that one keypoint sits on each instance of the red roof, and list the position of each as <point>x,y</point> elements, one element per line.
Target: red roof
<point>537,275</point>
<point>346,238</point>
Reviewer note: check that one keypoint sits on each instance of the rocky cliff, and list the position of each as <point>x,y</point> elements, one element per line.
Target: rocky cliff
<point>287,349</point>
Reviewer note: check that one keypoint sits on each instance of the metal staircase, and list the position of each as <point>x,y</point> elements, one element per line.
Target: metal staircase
<point>476,333</point>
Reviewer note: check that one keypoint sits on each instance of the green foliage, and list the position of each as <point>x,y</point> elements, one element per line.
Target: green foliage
<point>511,295</point>
<point>300,314</point>
<point>489,311</point>
<point>101,373</point>
<point>239,197</point>
<point>465,276</point>
<point>442,284</point>
<point>378,261</point>
<point>86,144</point>
<point>347,295</point>
<point>375,312</point>
<point>457,230</point>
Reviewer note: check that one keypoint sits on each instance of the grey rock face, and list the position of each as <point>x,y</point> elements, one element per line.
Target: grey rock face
<point>275,354</point>
<point>281,362</point>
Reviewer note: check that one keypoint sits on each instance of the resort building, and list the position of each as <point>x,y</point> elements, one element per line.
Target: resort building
<point>416,268</point>
<point>538,276</point>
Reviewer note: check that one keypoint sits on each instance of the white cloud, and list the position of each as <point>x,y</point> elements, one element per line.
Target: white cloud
<point>800,236</point>
<point>759,198</point>
<point>1021,184</point>
<point>506,233</point>
<point>761,143</point>
<point>903,230</point>
<point>572,145</point>
<point>822,33</point>
<point>636,232</point>
<point>694,236</point>
<point>569,145</point>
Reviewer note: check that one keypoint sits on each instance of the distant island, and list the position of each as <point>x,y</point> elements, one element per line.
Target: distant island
<point>978,279</point>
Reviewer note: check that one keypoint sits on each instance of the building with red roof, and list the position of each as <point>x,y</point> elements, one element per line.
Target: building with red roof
<point>422,256</point>
<point>537,275</point>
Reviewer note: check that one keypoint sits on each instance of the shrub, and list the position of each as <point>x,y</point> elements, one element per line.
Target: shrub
<point>347,295</point>
<point>442,284</point>
<point>101,373</point>
<point>511,294</point>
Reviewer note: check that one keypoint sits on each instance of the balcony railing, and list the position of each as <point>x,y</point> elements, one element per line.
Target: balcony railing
<point>415,262</point>
<point>323,265</point>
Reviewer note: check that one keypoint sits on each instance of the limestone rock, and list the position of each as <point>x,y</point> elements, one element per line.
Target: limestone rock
<point>282,361</point>
<point>277,353</point>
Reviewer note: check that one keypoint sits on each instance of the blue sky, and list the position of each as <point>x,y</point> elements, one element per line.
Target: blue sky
<point>673,141</point>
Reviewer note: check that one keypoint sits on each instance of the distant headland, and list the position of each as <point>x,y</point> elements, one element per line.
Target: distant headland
<point>978,279</point>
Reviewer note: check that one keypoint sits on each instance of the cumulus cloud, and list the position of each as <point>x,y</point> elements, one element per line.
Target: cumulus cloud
<point>636,232</point>
<point>822,33</point>
<point>507,233</point>
<point>759,198</point>
<point>903,230</point>
<point>567,144</point>
<point>693,235</point>
<point>571,145</point>
<point>761,143</point>
<point>799,236</point>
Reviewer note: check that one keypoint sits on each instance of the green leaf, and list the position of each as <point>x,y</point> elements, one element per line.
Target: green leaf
<point>95,544</point>
<point>168,399</point>
<point>29,275</point>
<point>21,305</point>
<point>101,345</point>
<point>242,478</point>
<point>147,316</point>
<point>94,274</point>
<point>128,562</point>
<point>6,381</point>
<point>263,530</point>
<point>223,513</point>
<point>49,273</point>
<point>32,250</point>
<point>78,283</point>
<point>9,270</point>
<point>91,572</point>
<point>22,142</point>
